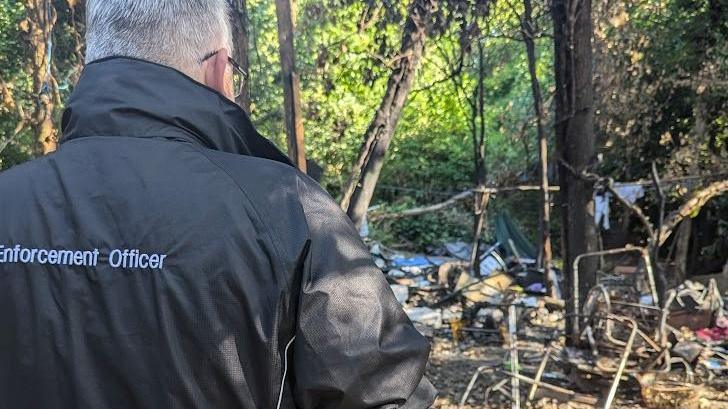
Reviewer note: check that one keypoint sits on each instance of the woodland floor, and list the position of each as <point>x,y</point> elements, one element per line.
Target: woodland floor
<point>452,365</point>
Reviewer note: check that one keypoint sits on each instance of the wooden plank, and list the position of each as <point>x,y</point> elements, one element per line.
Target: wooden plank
<point>291,85</point>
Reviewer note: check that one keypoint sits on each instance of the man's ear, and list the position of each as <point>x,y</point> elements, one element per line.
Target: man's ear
<point>215,68</point>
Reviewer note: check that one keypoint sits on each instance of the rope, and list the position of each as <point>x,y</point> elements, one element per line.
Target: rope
<point>648,183</point>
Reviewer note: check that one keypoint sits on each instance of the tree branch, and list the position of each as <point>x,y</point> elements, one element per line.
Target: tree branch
<point>425,209</point>
<point>693,205</point>
<point>417,211</point>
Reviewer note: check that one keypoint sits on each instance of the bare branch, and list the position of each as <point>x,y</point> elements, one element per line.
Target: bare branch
<point>693,205</point>
<point>425,209</point>
<point>452,201</point>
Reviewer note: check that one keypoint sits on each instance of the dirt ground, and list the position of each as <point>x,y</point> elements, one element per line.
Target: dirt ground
<point>452,366</point>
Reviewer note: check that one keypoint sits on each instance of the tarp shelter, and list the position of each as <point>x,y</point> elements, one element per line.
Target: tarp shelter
<point>512,238</point>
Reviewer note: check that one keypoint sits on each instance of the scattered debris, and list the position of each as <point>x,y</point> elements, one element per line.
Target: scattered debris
<point>632,351</point>
<point>425,315</point>
<point>665,391</point>
<point>401,292</point>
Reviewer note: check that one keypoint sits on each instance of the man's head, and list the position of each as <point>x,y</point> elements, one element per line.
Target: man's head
<point>175,33</point>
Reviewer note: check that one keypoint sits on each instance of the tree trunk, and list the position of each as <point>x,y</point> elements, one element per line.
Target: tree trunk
<point>291,84</point>
<point>360,187</point>
<point>575,140</point>
<point>77,28</point>
<point>544,233</point>
<point>40,22</point>
<point>481,211</point>
<point>681,250</point>
<point>241,42</point>
<point>480,204</point>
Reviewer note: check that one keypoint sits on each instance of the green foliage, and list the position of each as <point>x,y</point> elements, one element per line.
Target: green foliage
<point>662,86</point>
<point>11,12</point>
<point>423,232</point>
<point>341,73</point>
<point>663,77</point>
<point>13,82</point>
<point>17,93</point>
<point>342,62</point>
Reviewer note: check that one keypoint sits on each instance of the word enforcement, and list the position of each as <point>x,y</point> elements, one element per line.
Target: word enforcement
<point>117,258</point>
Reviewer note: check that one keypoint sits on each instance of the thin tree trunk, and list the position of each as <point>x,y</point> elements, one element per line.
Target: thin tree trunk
<point>41,19</point>
<point>480,204</point>
<point>481,211</point>
<point>291,84</point>
<point>241,42</point>
<point>681,250</point>
<point>544,251</point>
<point>77,26</point>
<point>364,176</point>
<point>575,140</point>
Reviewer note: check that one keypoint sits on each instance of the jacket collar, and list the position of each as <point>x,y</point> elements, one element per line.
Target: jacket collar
<point>122,96</point>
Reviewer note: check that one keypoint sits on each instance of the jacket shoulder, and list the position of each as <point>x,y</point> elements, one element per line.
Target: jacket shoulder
<point>20,175</point>
<point>277,192</point>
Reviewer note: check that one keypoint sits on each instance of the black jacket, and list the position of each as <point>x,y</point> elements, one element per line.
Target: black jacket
<point>168,256</point>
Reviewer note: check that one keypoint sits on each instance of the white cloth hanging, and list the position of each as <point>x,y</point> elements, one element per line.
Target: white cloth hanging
<point>630,193</point>
<point>601,209</point>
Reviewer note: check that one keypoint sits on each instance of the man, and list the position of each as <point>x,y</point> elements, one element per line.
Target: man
<point>167,256</point>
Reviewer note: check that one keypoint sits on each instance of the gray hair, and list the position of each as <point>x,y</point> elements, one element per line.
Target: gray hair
<point>176,33</point>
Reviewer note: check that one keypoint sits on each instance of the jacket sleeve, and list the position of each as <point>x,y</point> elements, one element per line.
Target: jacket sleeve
<point>355,347</point>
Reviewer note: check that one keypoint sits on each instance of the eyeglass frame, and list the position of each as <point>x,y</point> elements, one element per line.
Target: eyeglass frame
<point>236,68</point>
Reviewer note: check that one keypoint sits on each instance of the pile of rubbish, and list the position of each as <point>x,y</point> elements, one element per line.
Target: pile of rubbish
<point>626,347</point>
<point>438,289</point>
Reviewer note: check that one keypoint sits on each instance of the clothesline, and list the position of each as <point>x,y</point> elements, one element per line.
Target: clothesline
<point>641,182</point>
<point>635,189</point>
